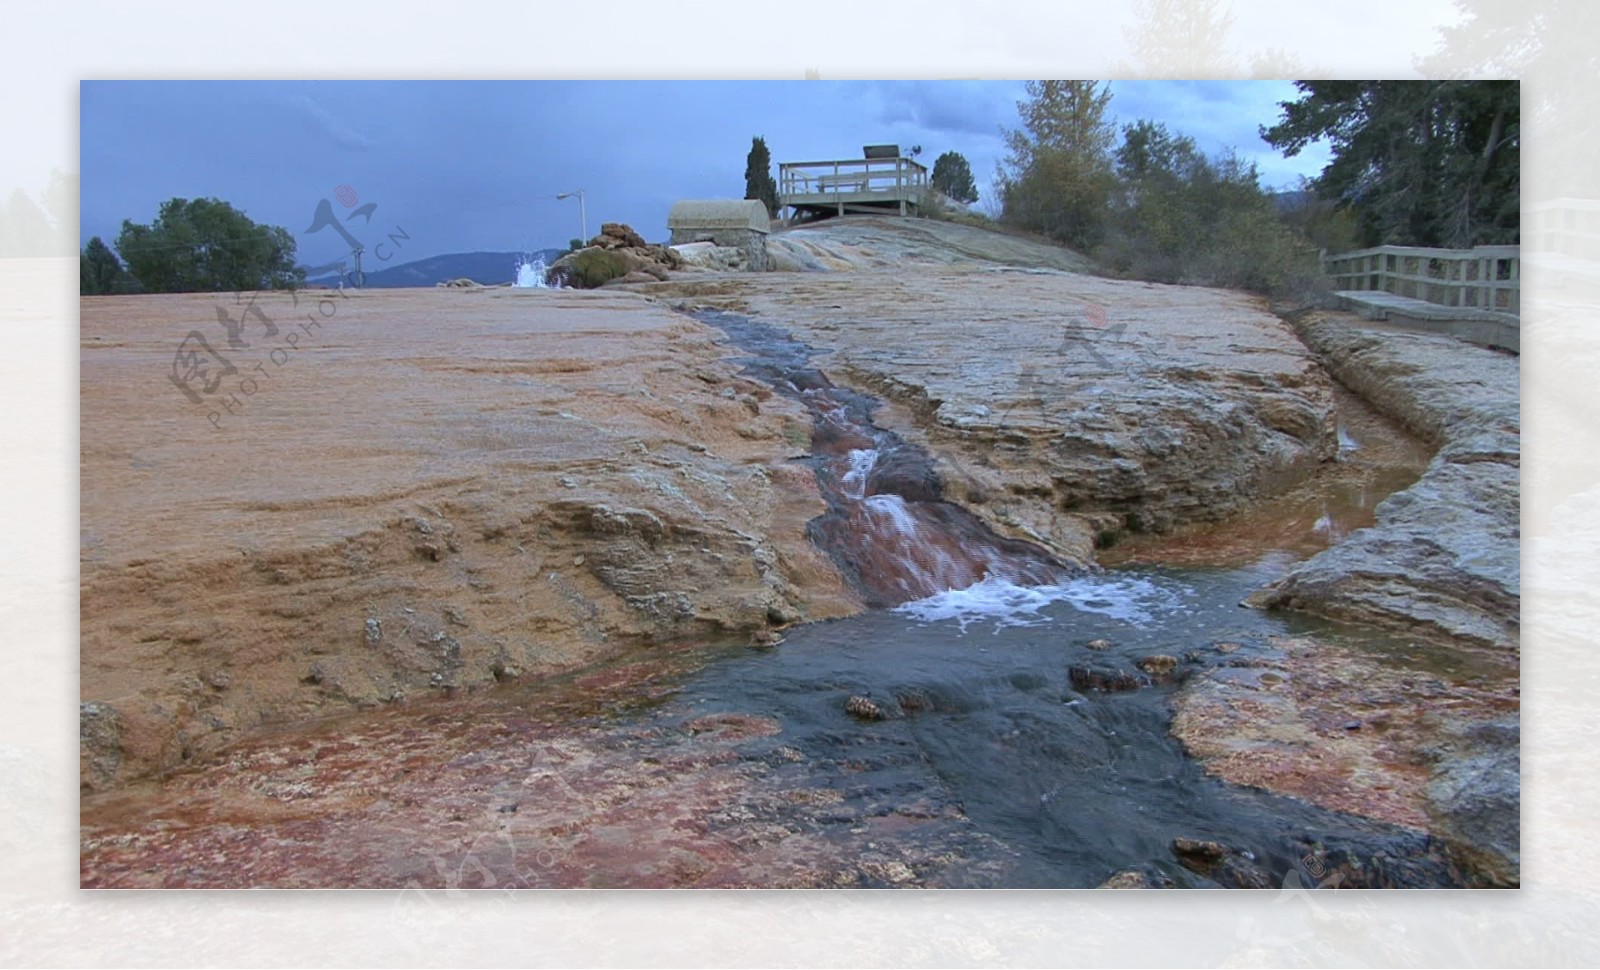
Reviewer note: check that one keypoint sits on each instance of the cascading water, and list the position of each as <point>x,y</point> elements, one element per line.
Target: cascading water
<point>531,272</point>
<point>887,526</point>
<point>1041,754</point>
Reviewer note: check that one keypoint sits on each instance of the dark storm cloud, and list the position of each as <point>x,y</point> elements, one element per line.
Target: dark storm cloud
<point>951,107</point>
<point>464,166</point>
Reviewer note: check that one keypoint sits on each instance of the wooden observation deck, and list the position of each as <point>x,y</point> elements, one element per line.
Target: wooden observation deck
<point>874,185</point>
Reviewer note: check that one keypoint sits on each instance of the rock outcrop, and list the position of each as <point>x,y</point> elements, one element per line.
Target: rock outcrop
<point>710,256</point>
<point>1064,409</point>
<point>617,254</point>
<point>1413,738</point>
<point>401,509</point>
<point>1443,559</point>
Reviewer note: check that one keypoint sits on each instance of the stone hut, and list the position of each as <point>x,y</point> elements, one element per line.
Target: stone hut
<point>738,223</point>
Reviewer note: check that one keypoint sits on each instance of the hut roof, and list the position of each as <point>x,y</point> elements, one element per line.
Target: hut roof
<point>719,214</point>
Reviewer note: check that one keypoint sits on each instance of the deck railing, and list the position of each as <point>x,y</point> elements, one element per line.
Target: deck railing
<point>892,178</point>
<point>1484,278</point>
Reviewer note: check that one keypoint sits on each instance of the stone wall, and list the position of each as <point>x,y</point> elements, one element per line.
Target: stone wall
<point>748,241</point>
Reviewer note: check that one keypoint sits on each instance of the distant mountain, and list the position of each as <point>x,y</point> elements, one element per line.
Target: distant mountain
<point>486,268</point>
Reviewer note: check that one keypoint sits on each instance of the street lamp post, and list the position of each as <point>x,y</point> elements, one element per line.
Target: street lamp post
<point>583,217</point>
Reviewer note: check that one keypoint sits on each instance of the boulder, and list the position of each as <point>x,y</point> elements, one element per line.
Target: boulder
<point>614,254</point>
<point>617,235</point>
<point>1158,665</point>
<point>1227,866</point>
<point>1140,877</point>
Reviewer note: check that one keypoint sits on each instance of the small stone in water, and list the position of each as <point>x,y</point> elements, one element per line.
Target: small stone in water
<point>1158,665</point>
<point>1199,849</point>
<point>863,708</point>
<point>1103,677</point>
<point>1143,878</point>
<point>1101,644</point>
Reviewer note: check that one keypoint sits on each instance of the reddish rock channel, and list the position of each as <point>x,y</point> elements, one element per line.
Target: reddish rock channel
<point>1011,725</point>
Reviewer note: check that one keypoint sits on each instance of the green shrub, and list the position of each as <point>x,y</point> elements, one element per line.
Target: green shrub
<point>588,269</point>
<point>1180,217</point>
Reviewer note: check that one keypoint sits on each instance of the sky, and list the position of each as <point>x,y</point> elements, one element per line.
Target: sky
<point>457,166</point>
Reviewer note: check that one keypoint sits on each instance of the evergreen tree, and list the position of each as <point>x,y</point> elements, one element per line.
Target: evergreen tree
<point>758,180</point>
<point>1058,178</point>
<point>952,176</point>
<point>99,270</point>
<point>1421,163</point>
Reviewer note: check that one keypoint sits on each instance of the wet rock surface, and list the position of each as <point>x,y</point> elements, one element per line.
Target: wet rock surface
<point>741,768</point>
<point>1416,739</point>
<point>485,793</point>
<point>603,477</point>
<point>1443,558</point>
<point>1063,408</point>
<point>1441,562</point>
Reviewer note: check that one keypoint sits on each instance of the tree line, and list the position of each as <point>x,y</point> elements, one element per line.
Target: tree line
<point>192,246</point>
<point>1422,163</point>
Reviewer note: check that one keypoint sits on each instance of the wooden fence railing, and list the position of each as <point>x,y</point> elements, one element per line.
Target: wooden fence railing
<point>1483,278</point>
<point>892,178</point>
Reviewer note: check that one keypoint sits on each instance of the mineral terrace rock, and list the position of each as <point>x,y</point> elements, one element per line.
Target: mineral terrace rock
<point>1062,408</point>
<point>1476,804</point>
<point>100,744</point>
<point>1443,559</point>
<point>541,429</point>
<point>1431,754</point>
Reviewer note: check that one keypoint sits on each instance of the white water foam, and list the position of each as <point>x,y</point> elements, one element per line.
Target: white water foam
<point>892,507</point>
<point>1347,442</point>
<point>531,273</point>
<point>855,480</point>
<point>1132,599</point>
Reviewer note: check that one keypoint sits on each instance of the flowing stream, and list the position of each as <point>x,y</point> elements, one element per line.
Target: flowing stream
<point>980,656</point>
<point>1011,738</point>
